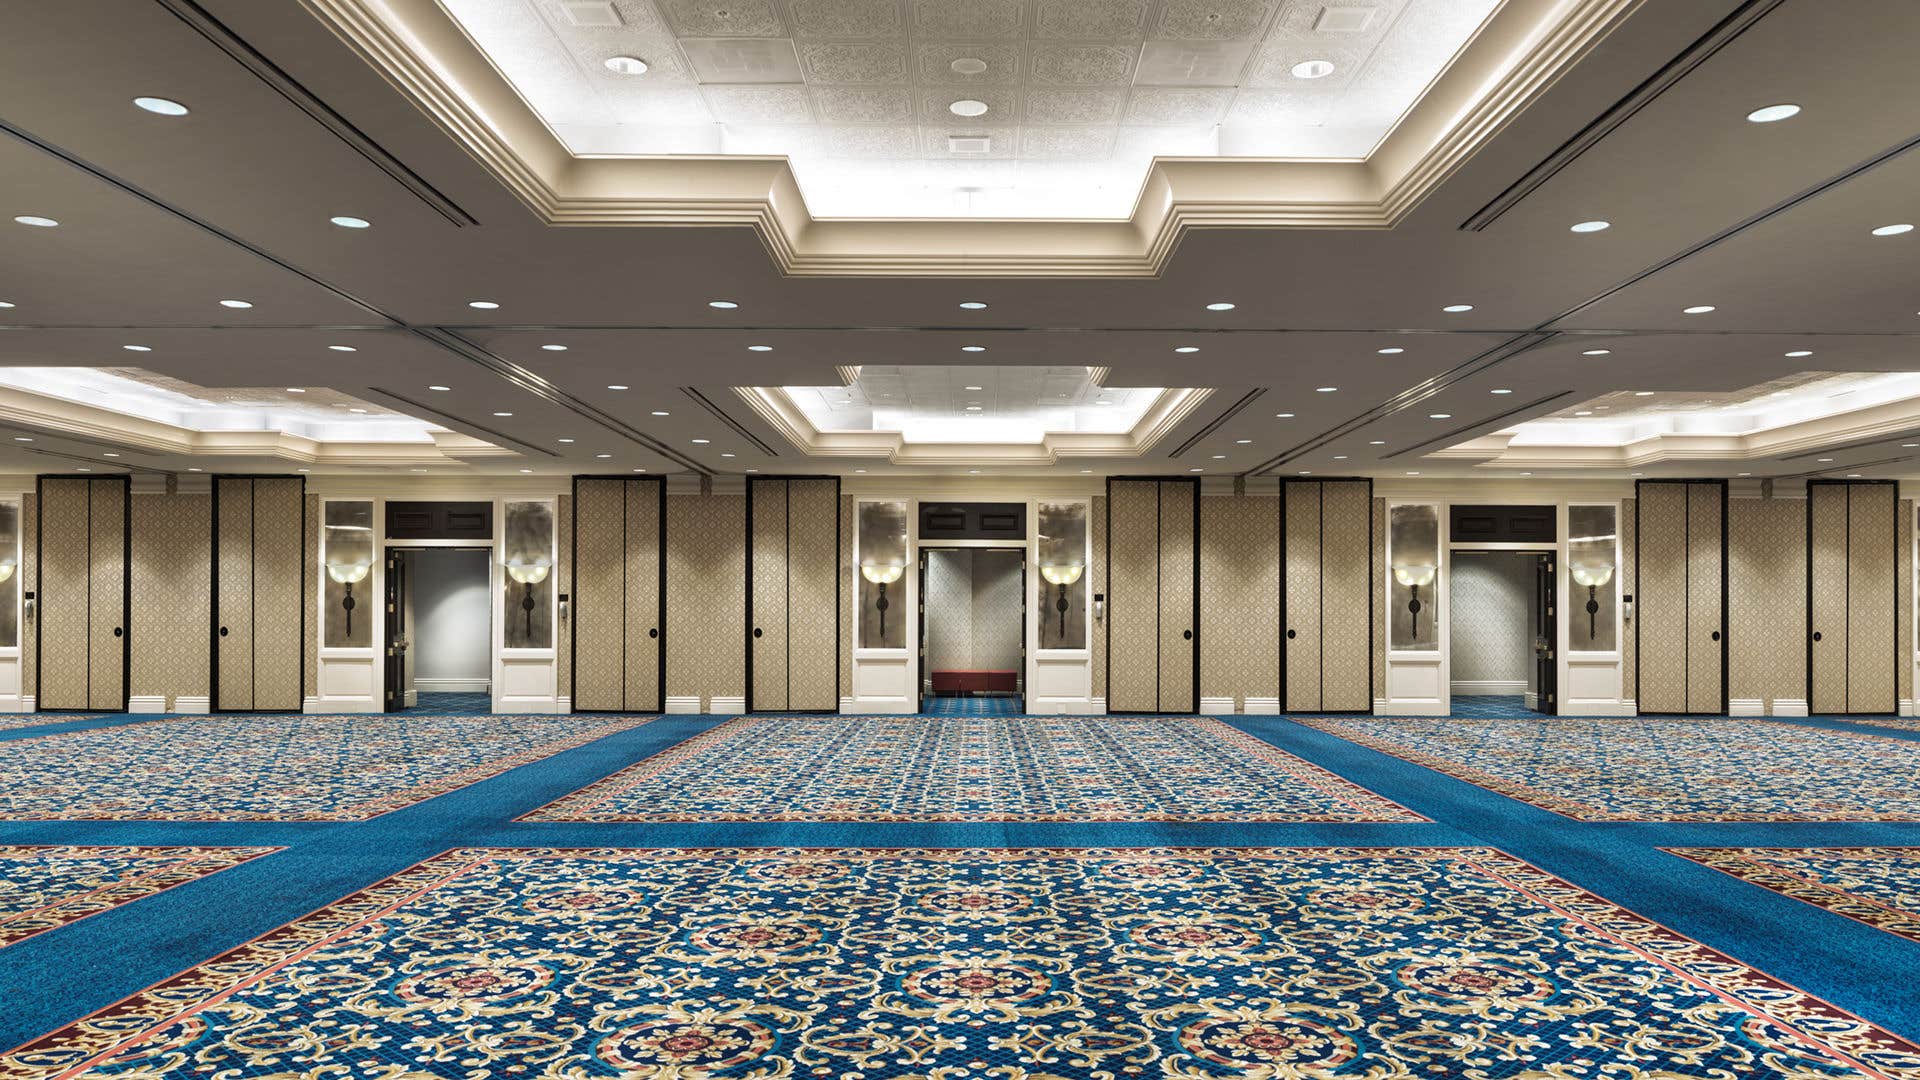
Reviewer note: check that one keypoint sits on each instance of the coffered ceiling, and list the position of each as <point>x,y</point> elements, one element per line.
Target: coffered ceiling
<point>1338,356</point>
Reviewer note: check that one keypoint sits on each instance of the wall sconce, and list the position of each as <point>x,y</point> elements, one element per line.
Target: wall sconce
<point>882,576</point>
<point>1062,576</point>
<point>1413,577</point>
<point>348,575</point>
<point>1592,577</point>
<point>6,571</point>
<point>528,574</point>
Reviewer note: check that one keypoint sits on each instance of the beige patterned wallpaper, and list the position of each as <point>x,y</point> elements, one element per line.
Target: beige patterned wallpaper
<point>1628,569</point>
<point>309,607</point>
<point>172,574</point>
<point>1492,624</point>
<point>1345,628</point>
<point>706,596</point>
<point>563,583</point>
<point>1903,576</point>
<point>1239,597</point>
<point>1096,578</point>
<point>29,529</point>
<point>973,611</point>
<point>849,595</point>
<point>1378,597</point>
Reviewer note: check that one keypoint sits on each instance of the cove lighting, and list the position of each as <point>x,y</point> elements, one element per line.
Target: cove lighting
<point>36,221</point>
<point>1591,226</point>
<point>1772,113</point>
<point>348,222</point>
<point>161,106</point>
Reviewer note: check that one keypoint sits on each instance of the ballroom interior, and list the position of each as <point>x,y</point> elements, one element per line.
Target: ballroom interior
<point>960,539</point>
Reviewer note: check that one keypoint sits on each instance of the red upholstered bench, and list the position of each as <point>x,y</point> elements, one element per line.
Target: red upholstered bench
<point>975,682</point>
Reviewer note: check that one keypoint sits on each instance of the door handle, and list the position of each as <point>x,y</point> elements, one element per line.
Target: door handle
<point>1816,635</point>
<point>116,631</point>
<point>1716,635</point>
<point>653,632</point>
<point>223,631</point>
<point>1291,634</point>
<point>1186,635</point>
<point>756,631</point>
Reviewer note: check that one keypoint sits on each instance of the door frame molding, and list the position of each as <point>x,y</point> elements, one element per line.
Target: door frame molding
<point>573,582</point>
<point>1849,484</point>
<point>126,584</point>
<point>1194,618</point>
<point>839,597</point>
<point>1639,565</point>
<point>213,594</point>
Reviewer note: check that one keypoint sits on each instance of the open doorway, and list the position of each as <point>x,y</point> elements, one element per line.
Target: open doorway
<point>973,623</point>
<point>439,630</point>
<point>1501,635</point>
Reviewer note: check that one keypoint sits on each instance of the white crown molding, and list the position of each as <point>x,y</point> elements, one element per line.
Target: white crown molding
<point>773,405</point>
<point>1519,52</point>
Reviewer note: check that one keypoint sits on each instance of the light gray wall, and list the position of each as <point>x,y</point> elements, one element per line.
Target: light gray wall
<point>452,611</point>
<point>1492,611</point>
<point>973,611</point>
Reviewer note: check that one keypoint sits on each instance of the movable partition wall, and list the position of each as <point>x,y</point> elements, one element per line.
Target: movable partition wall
<point>259,588</point>
<point>1326,639</point>
<point>1852,632</point>
<point>793,594</point>
<point>619,594</point>
<point>81,592</point>
<point>1153,592</point>
<point>1681,596</point>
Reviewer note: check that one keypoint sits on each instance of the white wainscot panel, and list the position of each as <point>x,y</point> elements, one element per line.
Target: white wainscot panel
<point>883,682</point>
<point>1062,682</point>
<point>10,700</point>
<point>1415,686</point>
<point>526,685</point>
<point>347,684</point>
<point>1593,685</point>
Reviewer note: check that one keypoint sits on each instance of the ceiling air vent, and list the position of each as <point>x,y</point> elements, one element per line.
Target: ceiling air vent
<point>969,144</point>
<point>590,12</point>
<point>1344,20</point>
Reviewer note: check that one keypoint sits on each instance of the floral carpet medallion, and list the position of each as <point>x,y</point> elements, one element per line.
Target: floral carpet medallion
<point>973,768</point>
<point>1879,886</point>
<point>46,887</point>
<point>1013,964</point>
<point>1679,769</point>
<point>272,767</point>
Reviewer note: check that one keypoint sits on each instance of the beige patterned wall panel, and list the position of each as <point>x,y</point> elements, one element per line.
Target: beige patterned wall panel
<point>1661,591</point>
<point>172,585</point>
<point>599,604</point>
<point>279,591</point>
<point>1629,568</point>
<point>563,582</point>
<point>1133,616</point>
<point>29,568</point>
<point>1377,596</point>
<point>1767,599</point>
<point>848,594</point>
<point>1346,629</point>
<point>1871,684</point>
<point>1097,584</point>
<point>767,643</point>
<point>1300,617</point>
<point>706,596</point>
<point>63,587</point>
<point>1903,597</point>
<point>1177,615</point>
<point>1239,598</point>
<point>310,603</point>
<point>1706,611</point>
<point>107,663</point>
<point>1826,509</point>
<point>813,594</point>
<point>642,629</point>
<point>233,571</point>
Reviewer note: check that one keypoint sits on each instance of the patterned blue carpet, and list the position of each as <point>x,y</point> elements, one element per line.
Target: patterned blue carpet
<point>458,933</point>
<point>972,706</point>
<point>1491,707</point>
<point>451,703</point>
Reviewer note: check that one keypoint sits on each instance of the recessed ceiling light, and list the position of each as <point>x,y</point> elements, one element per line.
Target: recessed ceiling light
<point>1219,457</point>
<point>973,472</point>
<point>1746,474</point>
<point>1283,416</point>
<point>1771,113</point>
<point>554,348</point>
<point>526,470</point>
<point>347,222</point>
<point>196,468</point>
<point>1824,460</point>
<point>4,304</point>
<point>968,107</point>
<point>1439,416</point>
<point>1086,470</point>
<point>1325,389</point>
<point>625,65</point>
<point>1186,348</point>
<point>1590,226</point>
<point>1219,305</point>
<point>975,388</point>
<point>973,348</point>
<point>439,387</point>
<point>483,305</point>
<point>1800,352</point>
<point>1697,309</point>
<point>1103,402</point>
<point>1500,390</point>
<point>1243,442</point>
<point>565,440</point>
<point>503,414</point>
<point>859,470</point>
<point>753,470</point>
<point>1893,230</point>
<point>723,305</point>
<point>973,408</point>
<point>968,65</point>
<point>603,457</point>
<point>1909,445</point>
<point>416,470</point>
<point>1643,393</point>
<point>1392,351</point>
<point>639,470</point>
<point>295,390</point>
<point>236,304</point>
<point>1455,309</point>
<point>661,412</point>
<point>1312,69</point>
<point>111,453</point>
<point>138,348</point>
<point>1584,412</point>
<point>357,410</point>
<point>759,348</point>
<point>1853,476</point>
<point>36,221</point>
<point>973,305</point>
<point>702,442</point>
<point>1412,473</point>
<point>726,453</point>
<point>1306,472</point>
<point>1339,457</point>
<point>84,468</point>
<point>1196,468</point>
<point>616,386</point>
<point>342,348</point>
<point>1597,352</point>
<point>1376,442</point>
<point>161,106</point>
<point>23,438</point>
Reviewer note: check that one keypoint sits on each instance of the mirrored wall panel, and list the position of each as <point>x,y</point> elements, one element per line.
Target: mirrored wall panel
<point>1593,557</point>
<point>1413,598</point>
<point>528,555</point>
<point>9,575</point>
<point>346,549</point>
<point>1062,535</point>
<point>883,567</point>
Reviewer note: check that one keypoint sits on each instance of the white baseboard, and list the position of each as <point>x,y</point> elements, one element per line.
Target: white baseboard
<point>1379,706</point>
<point>29,703</point>
<point>147,703</point>
<point>847,706</point>
<point>683,705</point>
<point>1483,687</point>
<point>453,686</point>
<point>193,703</point>
<point>727,704</point>
<point>563,705</point>
<point>1746,707</point>
<point>1597,708</point>
<point>1261,706</point>
<point>1790,707</point>
<point>327,706</point>
<point>1059,706</point>
<point>1216,706</point>
<point>885,706</point>
<point>14,703</point>
<point>1411,708</point>
<point>1097,706</point>
<point>1906,707</point>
